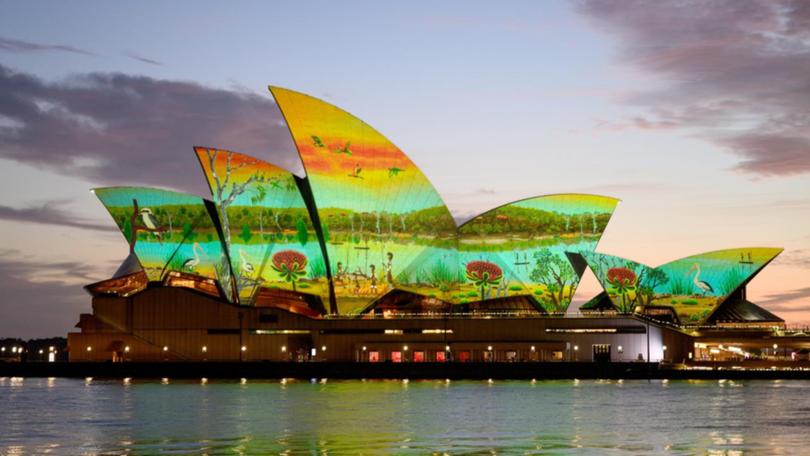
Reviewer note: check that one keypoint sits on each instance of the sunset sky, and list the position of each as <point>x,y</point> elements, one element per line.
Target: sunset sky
<point>696,117</point>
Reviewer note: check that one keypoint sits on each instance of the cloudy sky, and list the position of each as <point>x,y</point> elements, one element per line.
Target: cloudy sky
<point>695,114</point>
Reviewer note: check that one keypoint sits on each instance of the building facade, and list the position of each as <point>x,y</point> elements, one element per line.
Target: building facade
<point>361,260</point>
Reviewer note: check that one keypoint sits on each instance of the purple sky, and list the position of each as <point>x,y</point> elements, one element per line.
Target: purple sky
<point>695,114</point>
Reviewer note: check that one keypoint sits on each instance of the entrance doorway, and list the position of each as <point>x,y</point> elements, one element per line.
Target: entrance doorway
<point>601,353</point>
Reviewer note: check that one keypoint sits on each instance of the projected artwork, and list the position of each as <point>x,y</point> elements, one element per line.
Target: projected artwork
<point>167,231</point>
<point>519,248</point>
<point>384,224</point>
<point>693,286</point>
<point>265,223</point>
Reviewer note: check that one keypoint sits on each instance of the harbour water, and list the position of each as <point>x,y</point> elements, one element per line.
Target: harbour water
<point>71,417</point>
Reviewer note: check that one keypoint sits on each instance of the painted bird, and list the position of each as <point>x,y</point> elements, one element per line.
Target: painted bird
<point>246,265</point>
<point>357,170</point>
<point>394,171</point>
<point>704,286</point>
<point>316,141</point>
<point>150,222</point>
<point>344,150</point>
<point>191,263</point>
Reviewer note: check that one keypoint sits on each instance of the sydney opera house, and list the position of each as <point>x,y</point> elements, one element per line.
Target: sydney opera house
<point>360,260</point>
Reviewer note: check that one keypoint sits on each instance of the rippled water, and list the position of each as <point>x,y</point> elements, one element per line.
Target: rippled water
<point>66,416</point>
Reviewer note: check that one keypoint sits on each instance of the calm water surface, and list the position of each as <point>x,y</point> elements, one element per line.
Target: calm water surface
<point>66,416</point>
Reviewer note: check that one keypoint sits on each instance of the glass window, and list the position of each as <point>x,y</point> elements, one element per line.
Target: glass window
<point>396,356</point>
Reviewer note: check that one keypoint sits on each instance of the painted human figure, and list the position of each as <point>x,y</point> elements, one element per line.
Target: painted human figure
<point>340,272</point>
<point>389,275</point>
<point>373,277</point>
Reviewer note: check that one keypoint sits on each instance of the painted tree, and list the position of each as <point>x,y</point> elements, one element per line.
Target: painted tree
<point>259,194</point>
<point>556,274</point>
<point>225,192</point>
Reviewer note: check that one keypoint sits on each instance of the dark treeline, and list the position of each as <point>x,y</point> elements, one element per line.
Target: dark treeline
<point>535,222</point>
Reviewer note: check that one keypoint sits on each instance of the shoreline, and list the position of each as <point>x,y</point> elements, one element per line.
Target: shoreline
<point>453,371</point>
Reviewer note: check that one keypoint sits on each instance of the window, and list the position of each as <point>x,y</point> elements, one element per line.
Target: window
<point>511,356</point>
<point>418,356</point>
<point>374,357</point>
<point>396,356</point>
<point>441,357</point>
<point>464,356</point>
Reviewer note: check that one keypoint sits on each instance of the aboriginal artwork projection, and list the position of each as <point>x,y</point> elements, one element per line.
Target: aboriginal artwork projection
<point>382,219</point>
<point>520,248</point>
<point>266,225</point>
<point>693,286</point>
<point>168,231</point>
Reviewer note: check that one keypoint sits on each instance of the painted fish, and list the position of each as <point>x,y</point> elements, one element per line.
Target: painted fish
<point>316,141</point>
<point>394,171</point>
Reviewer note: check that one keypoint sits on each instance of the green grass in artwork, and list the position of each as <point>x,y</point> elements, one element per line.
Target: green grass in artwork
<point>515,288</point>
<point>680,286</point>
<point>731,280</point>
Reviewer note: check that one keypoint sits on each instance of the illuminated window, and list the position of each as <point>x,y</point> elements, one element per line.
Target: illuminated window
<point>441,356</point>
<point>373,356</point>
<point>396,356</point>
<point>418,356</point>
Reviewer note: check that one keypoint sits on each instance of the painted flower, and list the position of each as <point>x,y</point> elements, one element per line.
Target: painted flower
<point>622,281</point>
<point>290,264</point>
<point>621,277</point>
<point>484,273</point>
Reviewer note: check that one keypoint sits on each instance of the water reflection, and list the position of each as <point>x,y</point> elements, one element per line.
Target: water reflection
<point>399,417</point>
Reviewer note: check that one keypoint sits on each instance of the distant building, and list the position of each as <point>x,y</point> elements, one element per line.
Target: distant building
<point>360,260</point>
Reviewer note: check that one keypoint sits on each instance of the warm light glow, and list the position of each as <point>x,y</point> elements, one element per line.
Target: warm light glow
<point>447,348</point>
<point>283,348</point>
<point>576,347</point>
<point>364,348</point>
<point>323,348</point>
<point>204,348</point>
<point>405,348</point>
<point>41,351</point>
<point>127,380</point>
<point>244,347</point>
<point>620,349</point>
<point>126,349</point>
<point>393,331</point>
<point>203,380</point>
<point>775,346</point>
<point>3,349</point>
<point>489,347</point>
<point>243,380</point>
<point>165,348</point>
<point>89,348</point>
<point>664,348</point>
<point>533,349</point>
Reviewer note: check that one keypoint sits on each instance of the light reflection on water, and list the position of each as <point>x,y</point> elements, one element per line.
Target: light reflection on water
<point>65,416</point>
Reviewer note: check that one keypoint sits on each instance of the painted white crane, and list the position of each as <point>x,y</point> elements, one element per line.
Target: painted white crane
<point>704,286</point>
<point>191,263</point>
<point>246,265</point>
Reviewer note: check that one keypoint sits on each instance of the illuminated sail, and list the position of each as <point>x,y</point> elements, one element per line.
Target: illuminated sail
<point>385,226</point>
<point>694,286</point>
<point>266,225</point>
<point>168,231</point>
<point>520,248</point>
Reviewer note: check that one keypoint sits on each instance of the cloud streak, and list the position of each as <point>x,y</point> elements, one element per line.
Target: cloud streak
<point>734,73</point>
<point>19,46</point>
<point>117,129</point>
<point>49,213</point>
<point>142,59</point>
